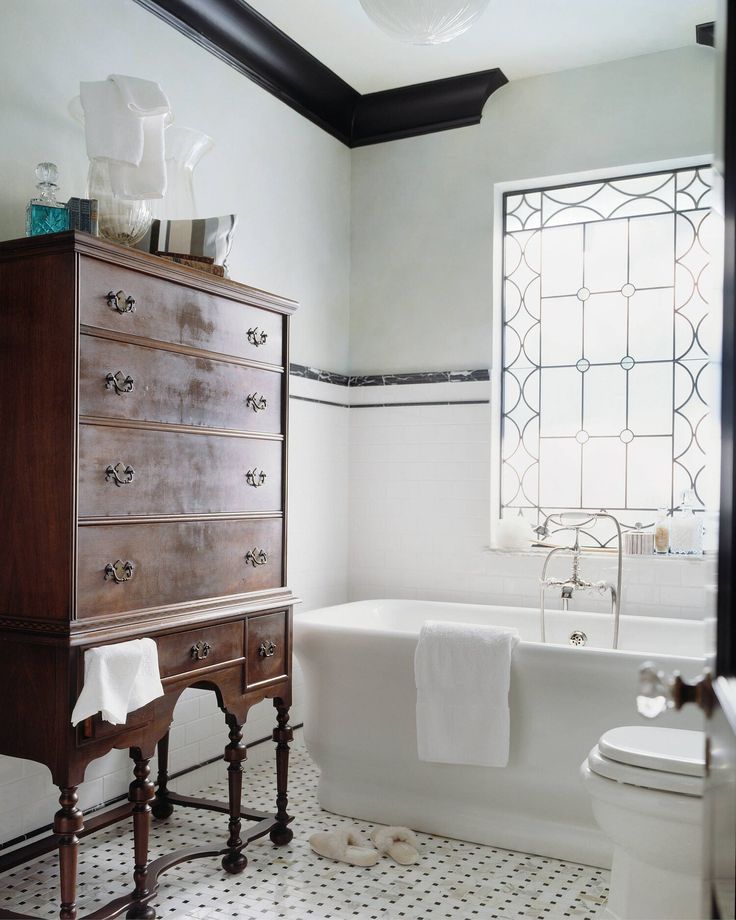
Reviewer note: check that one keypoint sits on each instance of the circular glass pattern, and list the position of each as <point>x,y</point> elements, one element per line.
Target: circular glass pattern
<point>628,290</point>
<point>583,294</point>
<point>627,436</point>
<point>582,436</point>
<point>627,362</point>
<point>582,365</point>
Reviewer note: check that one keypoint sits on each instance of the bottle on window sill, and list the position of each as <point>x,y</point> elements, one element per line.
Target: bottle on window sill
<point>44,213</point>
<point>686,530</point>
<point>662,532</point>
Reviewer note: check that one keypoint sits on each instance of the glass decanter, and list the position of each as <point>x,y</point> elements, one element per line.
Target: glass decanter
<point>44,213</point>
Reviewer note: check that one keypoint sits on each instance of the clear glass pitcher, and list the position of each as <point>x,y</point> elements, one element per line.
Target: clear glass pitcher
<point>128,221</point>
<point>185,147</point>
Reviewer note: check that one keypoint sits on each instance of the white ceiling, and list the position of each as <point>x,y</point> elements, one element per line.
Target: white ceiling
<point>522,37</point>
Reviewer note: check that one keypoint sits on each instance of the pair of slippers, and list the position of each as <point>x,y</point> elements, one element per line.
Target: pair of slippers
<point>347,845</point>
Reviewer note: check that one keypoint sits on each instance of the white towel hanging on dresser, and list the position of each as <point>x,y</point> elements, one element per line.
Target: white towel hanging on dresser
<point>118,679</point>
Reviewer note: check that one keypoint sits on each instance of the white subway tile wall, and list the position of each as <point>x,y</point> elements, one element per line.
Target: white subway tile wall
<point>420,518</point>
<point>317,551</point>
<point>317,574</point>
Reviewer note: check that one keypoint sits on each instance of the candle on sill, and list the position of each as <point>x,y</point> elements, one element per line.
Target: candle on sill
<point>513,533</point>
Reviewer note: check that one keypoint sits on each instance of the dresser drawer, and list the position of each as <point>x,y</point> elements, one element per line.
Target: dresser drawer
<point>183,653</point>
<point>162,386</point>
<point>162,564</point>
<point>95,728</point>
<point>267,647</point>
<point>133,471</point>
<point>172,312</point>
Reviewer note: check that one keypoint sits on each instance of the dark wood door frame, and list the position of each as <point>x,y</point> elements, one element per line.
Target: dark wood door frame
<point>726,166</point>
<point>720,794</point>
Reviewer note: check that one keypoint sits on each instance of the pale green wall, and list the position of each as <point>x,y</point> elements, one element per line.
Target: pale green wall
<point>422,209</point>
<point>288,180</point>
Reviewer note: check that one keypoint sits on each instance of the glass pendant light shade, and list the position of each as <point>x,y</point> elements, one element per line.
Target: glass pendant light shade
<point>424,22</point>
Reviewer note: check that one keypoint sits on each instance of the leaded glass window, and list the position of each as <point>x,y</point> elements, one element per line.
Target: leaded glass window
<point>607,347</point>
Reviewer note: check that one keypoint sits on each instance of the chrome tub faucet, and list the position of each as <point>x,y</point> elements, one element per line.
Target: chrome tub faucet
<point>576,521</point>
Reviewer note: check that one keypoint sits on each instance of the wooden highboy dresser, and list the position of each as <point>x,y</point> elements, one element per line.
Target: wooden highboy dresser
<point>143,413</point>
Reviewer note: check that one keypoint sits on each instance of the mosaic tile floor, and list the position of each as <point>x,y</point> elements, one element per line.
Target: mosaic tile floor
<point>453,879</point>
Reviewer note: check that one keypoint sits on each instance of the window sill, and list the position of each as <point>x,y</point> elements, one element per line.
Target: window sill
<point>538,551</point>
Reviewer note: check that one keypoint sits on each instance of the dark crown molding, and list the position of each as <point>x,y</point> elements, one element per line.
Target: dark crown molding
<point>704,33</point>
<point>237,34</point>
<point>247,41</point>
<point>423,108</point>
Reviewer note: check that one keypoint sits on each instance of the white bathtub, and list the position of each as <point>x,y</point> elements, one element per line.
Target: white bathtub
<point>358,663</point>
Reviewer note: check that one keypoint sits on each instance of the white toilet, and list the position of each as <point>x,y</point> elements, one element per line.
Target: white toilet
<point>646,786</point>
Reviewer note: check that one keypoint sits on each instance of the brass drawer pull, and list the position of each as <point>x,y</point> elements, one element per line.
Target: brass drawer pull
<point>119,571</point>
<point>120,474</point>
<point>256,402</point>
<point>200,650</point>
<point>257,338</point>
<point>254,478</point>
<point>267,651</point>
<point>256,557</point>
<point>119,382</point>
<point>120,302</point>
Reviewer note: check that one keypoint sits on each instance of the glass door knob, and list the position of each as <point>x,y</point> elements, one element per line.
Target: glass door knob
<point>659,692</point>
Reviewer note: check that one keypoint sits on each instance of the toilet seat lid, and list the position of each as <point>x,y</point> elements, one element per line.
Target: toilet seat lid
<point>669,750</point>
<point>644,778</point>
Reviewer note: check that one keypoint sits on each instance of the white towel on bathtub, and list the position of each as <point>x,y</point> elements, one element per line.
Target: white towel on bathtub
<point>463,673</point>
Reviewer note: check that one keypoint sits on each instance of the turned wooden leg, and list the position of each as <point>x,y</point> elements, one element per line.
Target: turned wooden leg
<point>281,833</point>
<point>234,860</point>
<point>68,822</point>
<point>140,794</point>
<point>162,807</point>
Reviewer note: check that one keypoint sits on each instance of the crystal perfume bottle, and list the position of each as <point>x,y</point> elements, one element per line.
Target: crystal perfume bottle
<point>44,213</point>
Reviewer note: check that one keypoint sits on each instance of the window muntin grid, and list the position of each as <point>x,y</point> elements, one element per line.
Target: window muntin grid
<point>606,347</point>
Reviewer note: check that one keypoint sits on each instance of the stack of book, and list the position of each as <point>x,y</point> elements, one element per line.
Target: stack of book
<point>83,214</point>
<point>202,263</point>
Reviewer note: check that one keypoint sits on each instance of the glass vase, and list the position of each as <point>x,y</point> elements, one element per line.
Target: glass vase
<point>121,220</point>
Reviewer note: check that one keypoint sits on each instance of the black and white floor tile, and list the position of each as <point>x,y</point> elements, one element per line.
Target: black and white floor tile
<point>463,881</point>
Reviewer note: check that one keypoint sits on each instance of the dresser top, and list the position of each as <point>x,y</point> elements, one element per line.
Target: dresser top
<point>85,244</point>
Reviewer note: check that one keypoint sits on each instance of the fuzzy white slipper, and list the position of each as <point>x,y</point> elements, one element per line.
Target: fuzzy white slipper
<point>345,845</point>
<point>398,842</point>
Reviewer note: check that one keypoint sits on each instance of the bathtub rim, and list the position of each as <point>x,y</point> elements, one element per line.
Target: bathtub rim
<point>309,621</point>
